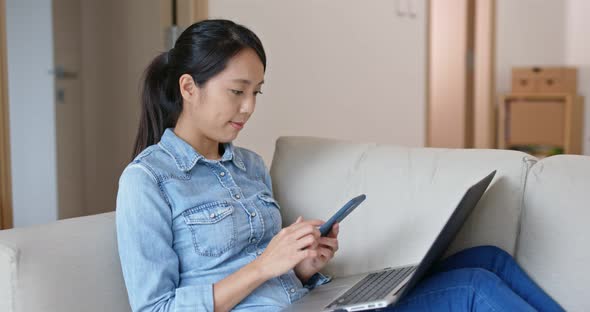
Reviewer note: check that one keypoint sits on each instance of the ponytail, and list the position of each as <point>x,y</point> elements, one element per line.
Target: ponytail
<point>160,107</point>
<point>202,50</point>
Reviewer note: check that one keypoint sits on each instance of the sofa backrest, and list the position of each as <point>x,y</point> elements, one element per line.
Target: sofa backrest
<point>553,246</point>
<point>410,194</point>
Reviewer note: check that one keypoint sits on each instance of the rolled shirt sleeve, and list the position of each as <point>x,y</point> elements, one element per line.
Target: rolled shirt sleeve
<point>144,237</point>
<point>317,280</point>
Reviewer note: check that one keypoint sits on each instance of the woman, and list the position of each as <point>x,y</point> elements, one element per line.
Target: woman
<point>197,226</point>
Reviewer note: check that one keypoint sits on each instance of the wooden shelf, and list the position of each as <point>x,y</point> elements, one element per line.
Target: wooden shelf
<point>543,119</point>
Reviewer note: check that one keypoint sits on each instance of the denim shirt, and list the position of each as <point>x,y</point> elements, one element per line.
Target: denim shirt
<point>185,222</point>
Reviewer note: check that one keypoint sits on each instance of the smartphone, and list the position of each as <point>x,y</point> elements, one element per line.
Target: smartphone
<point>341,214</point>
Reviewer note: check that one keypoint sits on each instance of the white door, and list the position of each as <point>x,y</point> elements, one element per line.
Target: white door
<point>29,42</point>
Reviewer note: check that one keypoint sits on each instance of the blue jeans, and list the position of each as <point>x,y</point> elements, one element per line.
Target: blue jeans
<point>482,278</point>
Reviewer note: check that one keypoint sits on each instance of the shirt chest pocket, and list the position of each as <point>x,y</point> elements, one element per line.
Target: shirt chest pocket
<point>272,208</point>
<point>212,227</point>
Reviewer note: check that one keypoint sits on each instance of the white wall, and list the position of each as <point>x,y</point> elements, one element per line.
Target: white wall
<point>529,32</point>
<point>32,115</point>
<point>342,69</point>
<point>577,35</point>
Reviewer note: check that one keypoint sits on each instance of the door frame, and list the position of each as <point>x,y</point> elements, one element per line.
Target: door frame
<point>476,111</point>
<point>191,11</point>
<point>6,221</point>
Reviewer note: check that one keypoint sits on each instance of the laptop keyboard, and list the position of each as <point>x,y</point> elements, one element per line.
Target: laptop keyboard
<point>373,287</point>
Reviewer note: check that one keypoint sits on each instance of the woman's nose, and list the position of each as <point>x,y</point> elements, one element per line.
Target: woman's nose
<point>248,105</point>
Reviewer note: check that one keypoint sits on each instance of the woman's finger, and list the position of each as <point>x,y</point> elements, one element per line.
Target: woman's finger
<point>305,242</point>
<point>302,223</point>
<point>306,227</point>
<point>307,253</point>
<point>329,242</point>
<point>326,253</point>
<point>335,229</point>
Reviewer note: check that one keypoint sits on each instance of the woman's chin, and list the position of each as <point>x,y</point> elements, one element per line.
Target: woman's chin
<point>229,137</point>
<point>232,134</point>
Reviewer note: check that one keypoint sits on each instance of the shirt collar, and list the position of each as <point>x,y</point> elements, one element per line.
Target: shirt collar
<point>186,157</point>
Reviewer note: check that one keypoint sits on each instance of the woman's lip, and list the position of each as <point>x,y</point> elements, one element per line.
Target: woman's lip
<point>237,125</point>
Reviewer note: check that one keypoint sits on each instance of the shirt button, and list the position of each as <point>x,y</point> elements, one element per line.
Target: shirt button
<point>253,240</point>
<point>237,196</point>
<point>253,214</point>
<point>222,174</point>
<point>259,252</point>
<point>292,290</point>
<point>212,215</point>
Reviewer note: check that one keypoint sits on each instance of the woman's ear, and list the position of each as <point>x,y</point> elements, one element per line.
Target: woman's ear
<point>188,88</point>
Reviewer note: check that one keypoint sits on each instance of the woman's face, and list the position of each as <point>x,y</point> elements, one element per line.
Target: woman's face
<point>220,108</point>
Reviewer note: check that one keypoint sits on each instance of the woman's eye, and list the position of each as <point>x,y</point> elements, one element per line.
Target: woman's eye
<point>237,92</point>
<point>257,93</point>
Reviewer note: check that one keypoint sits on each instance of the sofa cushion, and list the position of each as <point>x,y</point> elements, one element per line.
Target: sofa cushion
<point>68,265</point>
<point>410,194</point>
<point>553,244</point>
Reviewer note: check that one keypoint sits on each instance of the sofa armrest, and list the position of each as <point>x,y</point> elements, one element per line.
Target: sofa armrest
<point>68,265</point>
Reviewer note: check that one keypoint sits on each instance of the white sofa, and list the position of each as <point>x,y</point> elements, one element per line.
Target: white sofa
<point>536,210</point>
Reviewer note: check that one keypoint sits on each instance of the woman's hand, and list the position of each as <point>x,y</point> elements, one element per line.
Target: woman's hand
<point>326,247</point>
<point>290,247</point>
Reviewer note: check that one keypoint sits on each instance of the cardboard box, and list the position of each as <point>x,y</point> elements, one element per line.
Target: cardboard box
<point>544,80</point>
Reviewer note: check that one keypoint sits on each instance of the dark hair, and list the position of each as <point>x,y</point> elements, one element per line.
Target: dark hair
<point>202,51</point>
